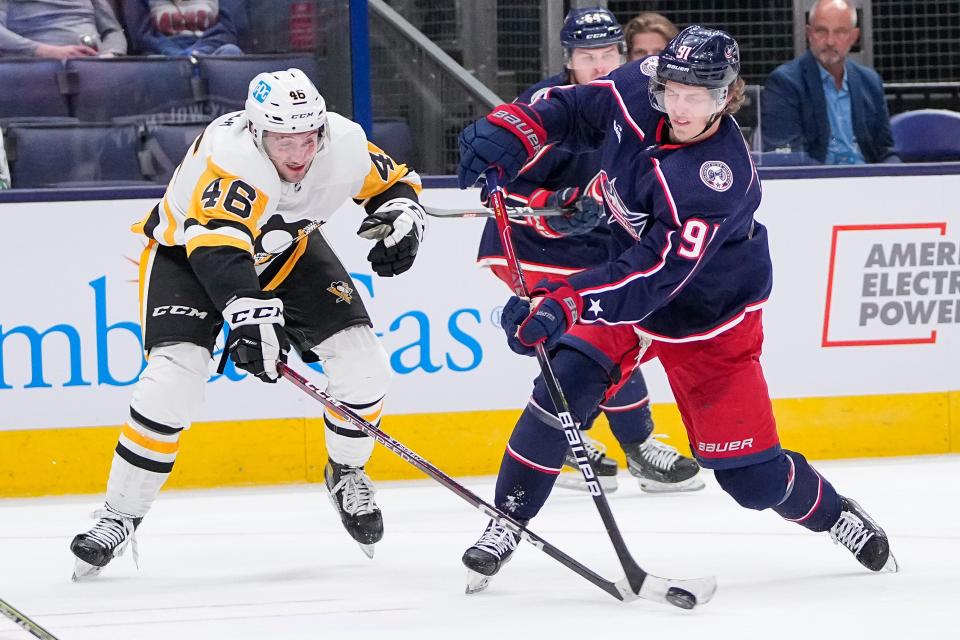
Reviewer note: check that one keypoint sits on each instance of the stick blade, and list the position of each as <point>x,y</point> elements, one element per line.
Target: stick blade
<point>685,594</point>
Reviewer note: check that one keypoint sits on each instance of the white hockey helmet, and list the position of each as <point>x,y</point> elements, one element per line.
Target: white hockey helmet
<point>285,102</point>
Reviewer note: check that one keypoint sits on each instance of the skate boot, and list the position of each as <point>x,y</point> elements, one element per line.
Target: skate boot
<point>660,468</point>
<point>858,532</point>
<point>351,493</point>
<point>603,467</point>
<point>484,559</point>
<point>108,539</point>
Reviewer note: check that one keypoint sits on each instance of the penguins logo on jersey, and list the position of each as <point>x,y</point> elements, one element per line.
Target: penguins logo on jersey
<point>716,175</point>
<point>649,66</point>
<point>342,290</point>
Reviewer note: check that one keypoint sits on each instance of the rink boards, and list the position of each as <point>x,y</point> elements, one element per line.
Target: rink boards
<point>862,335</point>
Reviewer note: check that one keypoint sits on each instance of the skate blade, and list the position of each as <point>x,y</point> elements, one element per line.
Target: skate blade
<point>891,566</point>
<point>576,483</point>
<point>84,571</point>
<point>368,549</point>
<point>476,582</point>
<point>690,484</point>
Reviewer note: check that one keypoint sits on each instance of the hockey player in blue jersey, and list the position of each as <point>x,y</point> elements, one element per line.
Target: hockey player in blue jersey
<point>691,275</point>
<point>593,46</point>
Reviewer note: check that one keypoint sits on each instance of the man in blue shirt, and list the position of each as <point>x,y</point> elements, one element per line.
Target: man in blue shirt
<point>824,104</point>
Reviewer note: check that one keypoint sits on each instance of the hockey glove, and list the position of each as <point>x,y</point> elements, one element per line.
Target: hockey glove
<point>557,309</point>
<point>256,341</point>
<point>580,214</point>
<point>398,226</point>
<point>506,138</point>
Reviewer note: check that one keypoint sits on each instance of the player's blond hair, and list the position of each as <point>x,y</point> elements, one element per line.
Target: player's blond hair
<point>737,96</point>
<point>649,22</point>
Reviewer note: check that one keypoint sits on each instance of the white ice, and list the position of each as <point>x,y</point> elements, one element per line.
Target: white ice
<point>274,563</point>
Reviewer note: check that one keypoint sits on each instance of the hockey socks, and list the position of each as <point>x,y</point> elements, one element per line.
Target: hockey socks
<point>533,458</point>
<point>810,500</point>
<point>628,411</point>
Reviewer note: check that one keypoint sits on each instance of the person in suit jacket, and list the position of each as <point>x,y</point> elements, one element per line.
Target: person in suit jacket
<point>823,104</point>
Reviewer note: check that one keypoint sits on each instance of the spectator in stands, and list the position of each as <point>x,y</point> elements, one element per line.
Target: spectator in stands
<point>824,104</point>
<point>648,33</point>
<point>60,29</point>
<point>184,27</point>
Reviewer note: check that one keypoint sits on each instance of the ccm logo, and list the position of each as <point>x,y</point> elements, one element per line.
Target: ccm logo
<point>523,127</point>
<point>177,310</point>
<point>723,447</point>
<point>301,115</point>
<point>257,313</point>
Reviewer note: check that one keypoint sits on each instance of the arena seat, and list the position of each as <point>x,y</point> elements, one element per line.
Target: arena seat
<point>927,135</point>
<point>33,88</point>
<point>227,78</point>
<point>57,155</point>
<point>393,136</point>
<point>105,88</point>
<point>164,147</point>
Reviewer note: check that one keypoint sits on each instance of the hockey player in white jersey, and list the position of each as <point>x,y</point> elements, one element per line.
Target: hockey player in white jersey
<point>230,242</point>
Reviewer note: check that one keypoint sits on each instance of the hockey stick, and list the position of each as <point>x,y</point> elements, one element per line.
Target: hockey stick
<point>654,588</point>
<point>483,212</point>
<point>685,594</point>
<point>26,623</point>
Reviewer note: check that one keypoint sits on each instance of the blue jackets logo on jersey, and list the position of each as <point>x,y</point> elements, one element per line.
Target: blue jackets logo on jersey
<point>716,175</point>
<point>649,66</point>
<point>632,222</point>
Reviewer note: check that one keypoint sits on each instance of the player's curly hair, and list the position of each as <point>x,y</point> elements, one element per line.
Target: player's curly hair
<point>737,96</point>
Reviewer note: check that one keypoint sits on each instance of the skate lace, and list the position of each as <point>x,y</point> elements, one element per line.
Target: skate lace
<point>594,449</point>
<point>850,532</point>
<point>659,454</point>
<point>357,490</point>
<point>113,531</point>
<point>497,539</point>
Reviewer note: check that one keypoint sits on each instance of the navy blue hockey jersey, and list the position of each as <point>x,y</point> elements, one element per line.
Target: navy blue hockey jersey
<point>691,259</point>
<point>537,248</point>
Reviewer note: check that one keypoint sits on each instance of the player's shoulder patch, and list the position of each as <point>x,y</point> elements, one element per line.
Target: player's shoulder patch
<point>717,175</point>
<point>649,66</point>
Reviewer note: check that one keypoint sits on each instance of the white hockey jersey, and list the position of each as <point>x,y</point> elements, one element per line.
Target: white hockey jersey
<point>227,193</point>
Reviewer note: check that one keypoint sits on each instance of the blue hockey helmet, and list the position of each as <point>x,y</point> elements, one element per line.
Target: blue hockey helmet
<point>701,57</point>
<point>591,28</point>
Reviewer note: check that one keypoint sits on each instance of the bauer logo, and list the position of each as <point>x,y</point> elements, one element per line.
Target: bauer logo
<point>261,92</point>
<point>891,284</point>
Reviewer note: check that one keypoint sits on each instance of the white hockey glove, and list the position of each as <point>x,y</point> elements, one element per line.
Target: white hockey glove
<point>398,226</point>
<point>256,341</point>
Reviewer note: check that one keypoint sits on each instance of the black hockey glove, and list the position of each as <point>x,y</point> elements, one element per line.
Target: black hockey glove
<point>398,226</point>
<point>580,214</point>
<point>256,341</point>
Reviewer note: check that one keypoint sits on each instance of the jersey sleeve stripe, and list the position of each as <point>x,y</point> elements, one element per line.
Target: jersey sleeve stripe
<point>611,85</point>
<point>216,239</point>
<point>169,233</point>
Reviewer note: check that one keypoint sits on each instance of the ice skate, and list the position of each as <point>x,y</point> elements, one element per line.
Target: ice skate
<point>108,539</point>
<point>660,468</point>
<point>484,559</point>
<point>603,467</point>
<point>351,493</point>
<point>859,533</point>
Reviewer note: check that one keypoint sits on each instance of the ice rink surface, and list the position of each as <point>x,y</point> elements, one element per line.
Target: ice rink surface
<point>274,563</point>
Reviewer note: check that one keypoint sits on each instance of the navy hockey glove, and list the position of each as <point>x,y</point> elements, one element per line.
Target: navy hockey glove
<point>506,138</point>
<point>256,341</point>
<point>557,311</point>
<point>398,226</point>
<point>580,214</point>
